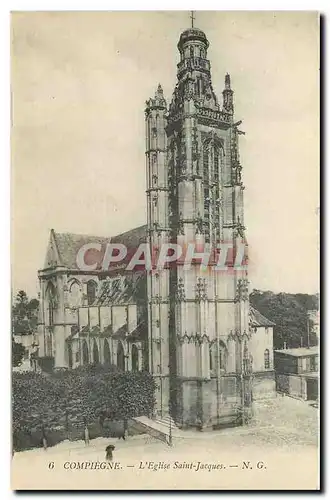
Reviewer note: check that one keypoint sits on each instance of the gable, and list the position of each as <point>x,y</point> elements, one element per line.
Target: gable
<point>63,248</point>
<point>257,319</point>
<point>52,255</point>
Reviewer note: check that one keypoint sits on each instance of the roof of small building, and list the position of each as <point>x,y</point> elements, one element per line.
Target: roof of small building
<point>257,319</point>
<point>312,375</point>
<point>300,351</point>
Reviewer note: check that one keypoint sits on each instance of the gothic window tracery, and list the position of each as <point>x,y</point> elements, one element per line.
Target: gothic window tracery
<point>91,292</point>
<point>106,353</point>
<point>212,158</point>
<point>120,357</point>
<point>96,357</point>
<point>75,294</point>
<point>135,358</point>
<point>85,353</point>
<point>218,358</point>
<point>51,296</point>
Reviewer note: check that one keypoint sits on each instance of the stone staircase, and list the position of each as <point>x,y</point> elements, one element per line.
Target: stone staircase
<point>167,422</point>
<point>162,428</point>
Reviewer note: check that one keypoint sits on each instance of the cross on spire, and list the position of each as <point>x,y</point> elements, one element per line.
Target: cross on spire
<point>192,17</point>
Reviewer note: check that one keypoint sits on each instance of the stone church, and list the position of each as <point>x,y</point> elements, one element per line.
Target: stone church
<point>209,351</point>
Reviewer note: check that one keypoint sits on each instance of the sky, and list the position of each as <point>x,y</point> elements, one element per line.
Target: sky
<point>79,82</point>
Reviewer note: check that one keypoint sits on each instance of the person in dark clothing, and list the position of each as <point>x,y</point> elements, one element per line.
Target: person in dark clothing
<point>122,435</point>
<point>108,452</point>
<point>102,418</point>
<point>44,438</point>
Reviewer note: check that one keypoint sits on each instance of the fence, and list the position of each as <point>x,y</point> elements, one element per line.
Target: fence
<point>25,439</point>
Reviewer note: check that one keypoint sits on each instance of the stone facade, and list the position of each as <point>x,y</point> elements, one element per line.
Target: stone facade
<point>193,329</point>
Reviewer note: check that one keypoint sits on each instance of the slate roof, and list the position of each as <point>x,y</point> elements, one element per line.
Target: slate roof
<point>126,291</point>
<point>257,319</point>
<point>68,244</point>
<point>300,351</point>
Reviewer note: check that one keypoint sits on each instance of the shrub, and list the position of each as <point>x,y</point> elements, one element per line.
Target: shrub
<point>68,399</point>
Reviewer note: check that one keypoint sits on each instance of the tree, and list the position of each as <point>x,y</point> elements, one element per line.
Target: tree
<point>24,314</point>
<point>289,312</point>
<point>17,351</point>
<point>80,396</point>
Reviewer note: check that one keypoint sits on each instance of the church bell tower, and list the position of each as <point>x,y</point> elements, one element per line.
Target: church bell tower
<point>194,172</point>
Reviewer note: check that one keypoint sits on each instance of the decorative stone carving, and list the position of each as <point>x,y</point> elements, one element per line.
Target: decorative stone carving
<point>195,154</point>
<point>180,224</point>
<point>201,289</point>
<point>242,290</point>
<point>199,224</point>
<point>183,166</point>
<point>239,229</point>
<point>180,290</point>
<point>156,299</point>
<point>156,226</point>
<point>153,158</point>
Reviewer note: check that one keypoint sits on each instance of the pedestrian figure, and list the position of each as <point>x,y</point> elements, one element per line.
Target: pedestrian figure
<point>44,439</point>
<point>122,435</point>
<point>108,452</point>
<point>86,433</point>
<point>102,419</point>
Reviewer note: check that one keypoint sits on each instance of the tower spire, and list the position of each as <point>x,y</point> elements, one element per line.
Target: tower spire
<point>192,17</point>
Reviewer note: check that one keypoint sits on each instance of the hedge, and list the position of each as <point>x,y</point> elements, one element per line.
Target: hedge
<point>62,403</point>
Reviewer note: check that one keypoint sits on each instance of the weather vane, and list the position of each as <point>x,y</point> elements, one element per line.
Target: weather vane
<point>192,17</point>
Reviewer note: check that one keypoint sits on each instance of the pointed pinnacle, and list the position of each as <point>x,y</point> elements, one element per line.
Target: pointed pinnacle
<point>159,90</point>
<point>227,81</point>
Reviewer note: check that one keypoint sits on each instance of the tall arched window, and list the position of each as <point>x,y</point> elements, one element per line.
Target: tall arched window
<point>91,292</point>
<point>212,165</point>
<point>218,358</point>
<point>207,200</point>
<point>85,356</point>
<point>51,298</point>
<point>70,357</point>
<point>75,294</point>
<point>135,358</point>
<point>191,51</point>
<point>120,357</point>
<point>266,359</point>
<point>223,356</point>
<point>213,353</point>
<point>107,357</point>
<point>96,357</point>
